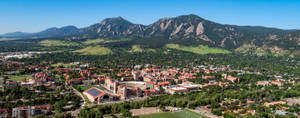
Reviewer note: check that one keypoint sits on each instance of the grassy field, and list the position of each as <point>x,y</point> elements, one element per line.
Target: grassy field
<point>136,48</point>
<point>97,41</point>
<point>93,41</point>
<point>49,43</point>
<point>94,50</point>
<point>82,88</point>
<point>198,49</point>
<point>62,64</point>
<point>180,114</point>
<point>19,77</point>
<point>86,99</point>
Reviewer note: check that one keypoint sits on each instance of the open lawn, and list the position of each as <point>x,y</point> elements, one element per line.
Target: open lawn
<point>86,99</point>
<point>139,48</point>
<point>62,64</point>
<point>82,88</point>
<point>49,43</point>
<point>180,114</point>
<point>94,50</point>
<point>19,77</point>
<point>198,49</point>
<point>136,48</point>
<point>94,41</point>
<point>97,41</point>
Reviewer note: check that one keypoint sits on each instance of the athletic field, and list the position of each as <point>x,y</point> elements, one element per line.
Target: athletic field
<point>179,114</point>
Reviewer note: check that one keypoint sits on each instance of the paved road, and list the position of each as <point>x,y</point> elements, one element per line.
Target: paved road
<point>114,102</point>
<point>75,113</point>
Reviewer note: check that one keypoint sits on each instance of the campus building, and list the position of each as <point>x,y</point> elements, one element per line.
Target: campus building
<point>96,95</point>
<point>28,111</point>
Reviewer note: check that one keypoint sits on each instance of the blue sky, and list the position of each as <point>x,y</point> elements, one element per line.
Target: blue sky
<point>37,15</point>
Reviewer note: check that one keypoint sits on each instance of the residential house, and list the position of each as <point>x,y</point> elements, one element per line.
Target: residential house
<point>230,78</point>
<point>278,83</point>
<point>207,77</point>
<point>263,83</point>
<point>75,81</point>
<point>274,103</point>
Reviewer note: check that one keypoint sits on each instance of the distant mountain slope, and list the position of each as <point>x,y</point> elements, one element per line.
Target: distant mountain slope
<point>51,32</point>
<point>184,30</point>
<point>57,32</point>
<point>16,34</point>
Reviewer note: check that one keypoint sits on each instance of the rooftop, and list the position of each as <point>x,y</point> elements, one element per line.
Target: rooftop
<point>95,92</point>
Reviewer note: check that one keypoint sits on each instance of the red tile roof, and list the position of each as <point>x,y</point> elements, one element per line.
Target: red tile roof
<point>163,83</point>
<point>3,110</point>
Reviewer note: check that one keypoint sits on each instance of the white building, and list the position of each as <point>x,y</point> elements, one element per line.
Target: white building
<point>173,89</point>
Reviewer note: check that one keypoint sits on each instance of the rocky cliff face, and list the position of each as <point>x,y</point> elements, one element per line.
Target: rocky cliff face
<point>184,27</point>
<point>192,27</point>
<point>111,27</point>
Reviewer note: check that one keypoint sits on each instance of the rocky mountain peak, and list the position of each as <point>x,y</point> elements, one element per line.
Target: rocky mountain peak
<point>183,27</point>
<point>115,20</point>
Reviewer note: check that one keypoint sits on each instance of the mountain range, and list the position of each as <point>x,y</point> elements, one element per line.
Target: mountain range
<point>186,29</point>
